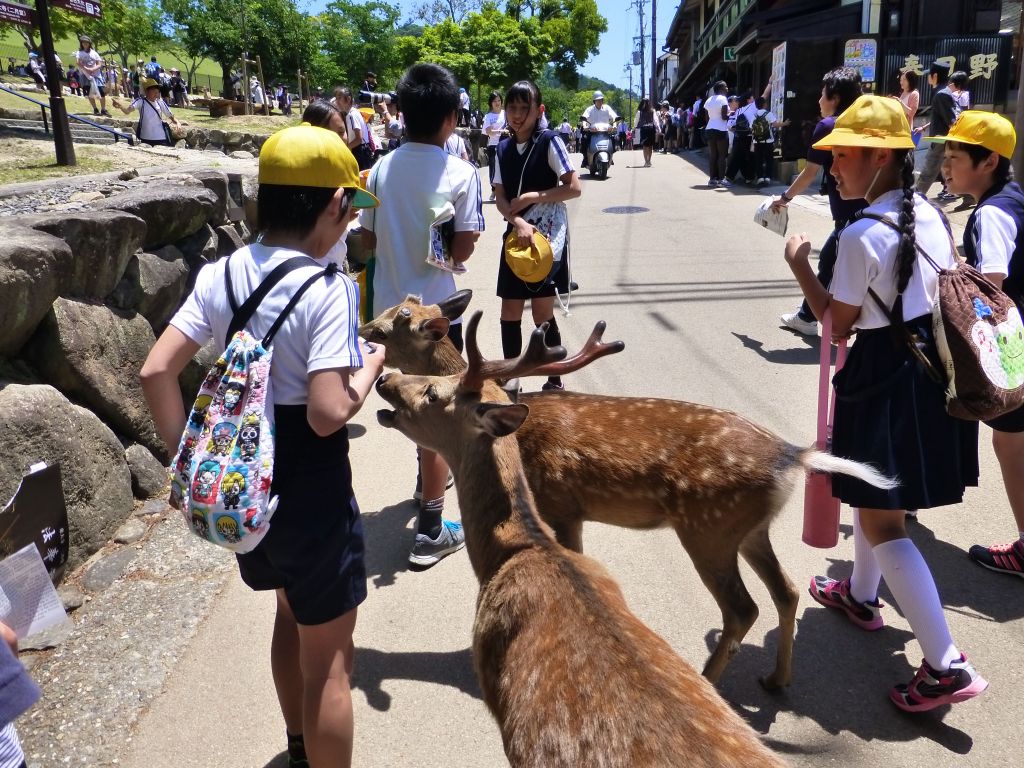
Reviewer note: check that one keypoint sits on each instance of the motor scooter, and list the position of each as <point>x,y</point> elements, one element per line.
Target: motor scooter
<point>599,150</point>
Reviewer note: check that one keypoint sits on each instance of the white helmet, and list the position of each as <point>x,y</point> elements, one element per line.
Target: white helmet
<point>598,95</point>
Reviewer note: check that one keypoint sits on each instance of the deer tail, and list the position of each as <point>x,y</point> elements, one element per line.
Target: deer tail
<point>820,461</point>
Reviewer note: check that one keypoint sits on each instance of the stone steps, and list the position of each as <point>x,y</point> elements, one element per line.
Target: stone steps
<point>81,133</point>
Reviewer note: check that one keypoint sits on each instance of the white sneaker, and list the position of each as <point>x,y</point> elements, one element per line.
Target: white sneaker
<point>794,322</point>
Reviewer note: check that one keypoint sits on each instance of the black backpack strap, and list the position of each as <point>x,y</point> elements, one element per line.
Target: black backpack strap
<point>244,313</point>
<point>331,269</point>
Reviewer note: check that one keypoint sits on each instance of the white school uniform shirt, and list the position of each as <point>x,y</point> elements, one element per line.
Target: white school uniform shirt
<point>86,60</point>
<point>995,233</point>
<point>713,106</point>
<point>357,126</point>
<point>494,122</point>
<point>867,258</point>
<point>320,333</point>
<point>603,115</point>
<point>152,116</point>
<point>456,145</point>
<point>410,182</point>
<point>772,119</point>
<point>558,161</point>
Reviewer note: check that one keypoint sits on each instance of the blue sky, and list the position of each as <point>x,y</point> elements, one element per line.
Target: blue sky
<point>616,43</point>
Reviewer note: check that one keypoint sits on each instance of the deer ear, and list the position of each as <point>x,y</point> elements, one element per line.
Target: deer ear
<point>435,329</point>
<point>456,304</point>
<point>498,420</point>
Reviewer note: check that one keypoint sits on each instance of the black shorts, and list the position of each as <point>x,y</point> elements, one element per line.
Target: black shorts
<point>1008,422</point>
<point>314,550</point>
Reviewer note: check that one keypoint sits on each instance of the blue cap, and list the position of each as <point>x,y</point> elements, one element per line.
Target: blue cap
<point>462,90</point>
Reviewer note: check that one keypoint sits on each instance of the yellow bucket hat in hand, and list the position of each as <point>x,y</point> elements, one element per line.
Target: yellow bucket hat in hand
<point>983,129</point>
<point>873,122</point>
<point>307,156</point>
<point>531,264</point>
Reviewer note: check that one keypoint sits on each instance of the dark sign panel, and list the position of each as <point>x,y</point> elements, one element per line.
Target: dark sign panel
<point>17,14</point>
<point>84,7</point>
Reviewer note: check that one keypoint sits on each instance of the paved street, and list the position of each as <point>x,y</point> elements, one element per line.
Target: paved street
<point>695,290</point>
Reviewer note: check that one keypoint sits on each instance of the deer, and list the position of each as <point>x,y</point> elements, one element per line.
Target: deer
<point>715,477</point>
<point>572,677</point>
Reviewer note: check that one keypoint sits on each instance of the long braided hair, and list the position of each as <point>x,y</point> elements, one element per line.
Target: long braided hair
<point>907,253</point>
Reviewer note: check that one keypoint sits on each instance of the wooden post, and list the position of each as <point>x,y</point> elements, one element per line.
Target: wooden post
<point>263,85</point>
<point>246,96</point>
<point>298,80</point>
<point>62,144</point>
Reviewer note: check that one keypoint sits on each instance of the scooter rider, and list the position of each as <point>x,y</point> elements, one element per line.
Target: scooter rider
<point>598,112</point>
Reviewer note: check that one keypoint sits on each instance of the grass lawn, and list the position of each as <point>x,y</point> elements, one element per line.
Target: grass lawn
<point>33,161</point>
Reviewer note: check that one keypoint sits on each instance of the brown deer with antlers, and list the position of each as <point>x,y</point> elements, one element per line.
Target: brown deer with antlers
<point>716,478</point>
<point>572,677</point>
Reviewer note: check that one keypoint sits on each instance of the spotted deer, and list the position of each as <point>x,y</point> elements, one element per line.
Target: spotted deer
<point>716,478</point>
<point>571,676</point>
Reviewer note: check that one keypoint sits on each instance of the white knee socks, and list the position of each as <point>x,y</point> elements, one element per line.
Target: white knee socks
<point>866,573</point>
<point>911,583</point>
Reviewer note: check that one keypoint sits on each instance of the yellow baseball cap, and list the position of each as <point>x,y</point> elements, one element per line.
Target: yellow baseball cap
<point>875,122</point>
<point>529,264</point>
<point>307,156</point>
<point>148,82</point>
<point>984,129</point>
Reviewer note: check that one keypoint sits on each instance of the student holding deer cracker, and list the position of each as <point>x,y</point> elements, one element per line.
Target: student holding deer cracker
<point>977,163</point>
<point>889,412</point>
<point>312,555</point>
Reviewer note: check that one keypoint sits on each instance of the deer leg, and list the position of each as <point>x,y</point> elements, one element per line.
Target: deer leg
<point>757,550</point>
<point>569,533</point>
<point>717,565</point>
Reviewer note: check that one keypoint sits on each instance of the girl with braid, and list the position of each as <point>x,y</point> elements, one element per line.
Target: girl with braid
<point>889,413</point>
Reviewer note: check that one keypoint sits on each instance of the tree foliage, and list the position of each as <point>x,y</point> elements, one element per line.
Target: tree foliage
<point>62,24</point>
<point>357,37</point>
<point>129,28</point>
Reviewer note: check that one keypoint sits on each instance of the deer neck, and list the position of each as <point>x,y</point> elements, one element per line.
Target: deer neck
<point>498,511</point>
<point>445,359</point>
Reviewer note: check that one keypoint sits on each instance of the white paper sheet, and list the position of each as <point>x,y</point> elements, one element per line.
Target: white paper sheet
<point>28,601</point>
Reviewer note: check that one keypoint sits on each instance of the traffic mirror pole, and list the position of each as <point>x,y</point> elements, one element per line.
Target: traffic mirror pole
<point>62,144</point>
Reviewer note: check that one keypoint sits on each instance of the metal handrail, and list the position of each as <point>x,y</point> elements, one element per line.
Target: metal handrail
<point>46,127</point>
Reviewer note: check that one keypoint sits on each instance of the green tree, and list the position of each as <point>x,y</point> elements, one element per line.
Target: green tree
<point>128,28</point>
<point>62,23</point>
<point>575,28</point>
<point>356,37</point>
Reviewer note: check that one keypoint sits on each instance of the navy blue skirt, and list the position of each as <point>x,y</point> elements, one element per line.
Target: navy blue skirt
<point>891,415</point>
<point>512,287</point>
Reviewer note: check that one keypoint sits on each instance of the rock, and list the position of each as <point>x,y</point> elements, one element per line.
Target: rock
<point>215,136</point>
<point>198,249</point>
<point>154,507</point>
<point>228,240</point>
<point>214,148</point>
<point>239,154</point>
<point>171,211</point>
<point>102,244</point>
<point>128,175</point>
<point>105,570</point>
<point>37,423</point>
<point>34,269</point>
<point>17,372</point>
<point>195,371</point>
<point>85,197</point>
<point>149,476</point>
<point>233,139</point>
<point>131,531</point>
<point>72,597</point>
<point>194,137</point>
<point>48,638</point>
<point>217,183</point>
<point>128,292</point>
<point>162,278</point>
<point>94,354</point>
<point>243,231</point>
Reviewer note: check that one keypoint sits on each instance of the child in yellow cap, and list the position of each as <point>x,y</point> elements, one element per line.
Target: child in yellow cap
<point>978,150</point>
<point>312,556</point>
<point>889,413</point>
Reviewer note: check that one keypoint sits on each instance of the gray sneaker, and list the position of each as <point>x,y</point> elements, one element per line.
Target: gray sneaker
<point>427,551</point>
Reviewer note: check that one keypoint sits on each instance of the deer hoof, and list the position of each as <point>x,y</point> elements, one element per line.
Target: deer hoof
<point>772,684</point>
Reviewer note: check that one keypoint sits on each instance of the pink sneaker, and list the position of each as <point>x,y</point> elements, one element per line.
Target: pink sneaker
<point>931,688</point>
<point>836,594</point>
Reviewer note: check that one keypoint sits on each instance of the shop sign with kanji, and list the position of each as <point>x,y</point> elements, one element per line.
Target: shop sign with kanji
<point>13,13</point>
<point>981,65</point>
<point>84,7</point>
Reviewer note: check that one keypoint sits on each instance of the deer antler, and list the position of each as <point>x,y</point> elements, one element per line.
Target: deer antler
<point>537,356</point>
<point>592,350</point>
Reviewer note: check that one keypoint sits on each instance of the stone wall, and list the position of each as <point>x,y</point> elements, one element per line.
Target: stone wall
<point>83,296</point>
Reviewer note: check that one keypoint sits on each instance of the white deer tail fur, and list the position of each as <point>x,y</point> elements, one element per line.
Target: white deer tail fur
<point>819,461</point>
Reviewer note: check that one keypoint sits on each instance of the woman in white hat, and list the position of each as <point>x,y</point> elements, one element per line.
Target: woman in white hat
<point>154,113</point>
<point>889,412</point>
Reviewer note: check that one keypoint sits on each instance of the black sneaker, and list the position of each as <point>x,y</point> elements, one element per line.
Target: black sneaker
<point>1002,558</point>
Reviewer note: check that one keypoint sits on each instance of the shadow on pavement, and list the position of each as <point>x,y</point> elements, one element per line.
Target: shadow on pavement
<point>702,290</point>
<point>373,667</point>
<point>806,355</point>
<point>280,761</point>
<point>388,542</point>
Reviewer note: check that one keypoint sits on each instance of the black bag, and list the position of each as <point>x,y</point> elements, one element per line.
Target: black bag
<point>742,125</point>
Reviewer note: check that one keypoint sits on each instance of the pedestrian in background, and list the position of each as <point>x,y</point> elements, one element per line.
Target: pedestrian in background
<point>839,89</point>
<point>889,413</point>
<point>645,121</point>
<point>91,66</point>
<point>153,112</point>
<point>716,134</point>
<point>978,151</point>
<point>944,112</point>
<point>910,97</point>
<point>493,125</point>
<point>741,159</point>
<point>762,133</point>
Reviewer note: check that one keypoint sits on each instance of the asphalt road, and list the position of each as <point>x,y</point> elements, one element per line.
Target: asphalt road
<point>695,289</point>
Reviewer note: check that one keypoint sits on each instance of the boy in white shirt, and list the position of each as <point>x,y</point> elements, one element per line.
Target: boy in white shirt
<point>716,133</point>
<point>413,183</point>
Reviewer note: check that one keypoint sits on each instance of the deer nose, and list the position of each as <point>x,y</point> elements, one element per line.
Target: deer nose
<point>381,380</point>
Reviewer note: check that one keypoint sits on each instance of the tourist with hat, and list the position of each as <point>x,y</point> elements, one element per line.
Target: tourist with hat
<point>978,151</point>
<point>90,67</point>
<point>533,167</point>
<point>38,70</point>
<point>427,196</point>
<point>889,413</point>
<point>312,557</point>
<point>154,113</point>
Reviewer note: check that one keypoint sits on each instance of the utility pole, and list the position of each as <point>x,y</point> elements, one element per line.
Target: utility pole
<point>64,148</point>
<point>640,5</point>
<point>654,49</point>
<point>629,68</point>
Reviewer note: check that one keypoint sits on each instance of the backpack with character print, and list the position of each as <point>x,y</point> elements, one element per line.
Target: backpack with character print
<point>221,475</point>
<point>761,130</point>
